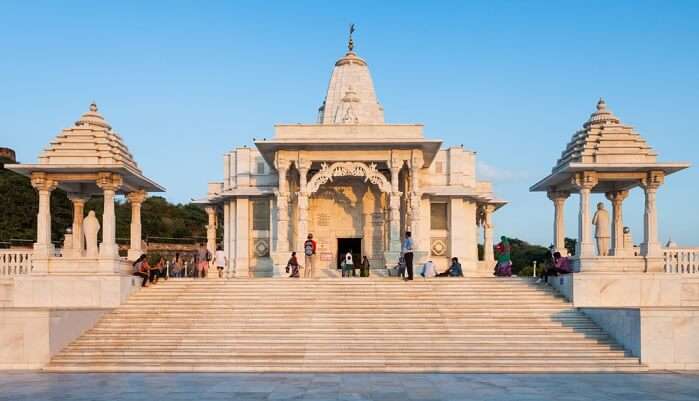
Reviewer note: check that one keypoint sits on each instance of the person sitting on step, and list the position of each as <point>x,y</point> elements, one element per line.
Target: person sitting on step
<point>141,269</point>
<point>454,269</point>
<point>428,270</point>
<point>556,265</point>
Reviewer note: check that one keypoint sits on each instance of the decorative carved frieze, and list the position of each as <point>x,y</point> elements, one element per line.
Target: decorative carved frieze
<point>348,169</point>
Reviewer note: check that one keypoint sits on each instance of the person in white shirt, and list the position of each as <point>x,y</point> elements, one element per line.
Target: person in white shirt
<point>221,261</point>
<point>428,270</point>
<point>348,265</point>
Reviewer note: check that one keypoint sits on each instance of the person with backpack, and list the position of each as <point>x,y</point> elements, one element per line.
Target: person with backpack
<point>348,265</point>
<point>309,250</point>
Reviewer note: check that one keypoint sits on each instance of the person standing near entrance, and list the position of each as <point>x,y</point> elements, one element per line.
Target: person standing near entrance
<point>407,252</point>
<point>309,250</point>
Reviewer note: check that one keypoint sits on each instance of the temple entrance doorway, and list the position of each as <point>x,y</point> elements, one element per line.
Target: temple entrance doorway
<point>353,245</point>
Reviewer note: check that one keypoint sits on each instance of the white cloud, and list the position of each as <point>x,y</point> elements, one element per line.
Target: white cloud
<point>489,172</point>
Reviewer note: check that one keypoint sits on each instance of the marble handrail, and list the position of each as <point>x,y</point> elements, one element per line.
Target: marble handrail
<point>681,260</point>
<point>15,261</point>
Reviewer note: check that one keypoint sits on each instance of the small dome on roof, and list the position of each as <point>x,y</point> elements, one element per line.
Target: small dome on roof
<point>602,115</point>
<point>93,117</point>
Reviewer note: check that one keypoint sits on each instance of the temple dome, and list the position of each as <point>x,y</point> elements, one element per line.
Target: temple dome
<point>605,140</point>
<point>91,141</point>
<point>351,98</point>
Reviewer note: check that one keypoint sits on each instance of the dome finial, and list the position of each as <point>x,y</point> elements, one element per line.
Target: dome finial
<point>93,106</point>
<point>350,44</point>
<point>601,104</point>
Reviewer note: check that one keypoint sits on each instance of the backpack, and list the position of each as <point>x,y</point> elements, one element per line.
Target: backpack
<point>308,248</point>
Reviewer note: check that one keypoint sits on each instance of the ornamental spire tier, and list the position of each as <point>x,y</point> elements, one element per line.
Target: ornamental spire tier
<point>351,98</point>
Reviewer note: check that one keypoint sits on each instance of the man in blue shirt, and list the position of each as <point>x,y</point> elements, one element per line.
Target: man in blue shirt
<point>407,252</point>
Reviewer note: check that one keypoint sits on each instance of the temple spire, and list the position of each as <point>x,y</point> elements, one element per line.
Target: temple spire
<point>350,44</point>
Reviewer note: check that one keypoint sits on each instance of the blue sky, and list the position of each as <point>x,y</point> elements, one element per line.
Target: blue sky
<point>183,82</point>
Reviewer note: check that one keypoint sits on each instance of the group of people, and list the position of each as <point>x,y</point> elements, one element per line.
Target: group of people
<point>152,273</point>
<point>310,246</point>
<point>429,269</point>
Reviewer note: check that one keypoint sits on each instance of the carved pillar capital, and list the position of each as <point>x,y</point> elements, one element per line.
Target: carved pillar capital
<point>653,180</point>
<point>78,198</point>
<point>617,196</point>
<point>136,198</point>
<point>109,181</point>
<point>585,180</point>
<point>558,196</point>
<point>43,182</point>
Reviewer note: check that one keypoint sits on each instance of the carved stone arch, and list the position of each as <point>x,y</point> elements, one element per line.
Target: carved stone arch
<point>348,169</point>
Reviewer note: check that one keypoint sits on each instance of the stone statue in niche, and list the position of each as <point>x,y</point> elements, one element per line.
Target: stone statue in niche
<point>91,227</point>
<point>602,231</point>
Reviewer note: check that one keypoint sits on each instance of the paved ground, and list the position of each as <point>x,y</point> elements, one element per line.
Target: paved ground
<point>398,387</point>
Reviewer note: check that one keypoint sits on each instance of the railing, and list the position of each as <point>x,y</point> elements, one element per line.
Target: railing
<point>681,260</point>
<point>15,261</point>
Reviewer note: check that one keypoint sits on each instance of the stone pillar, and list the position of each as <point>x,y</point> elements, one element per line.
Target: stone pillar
<point>651,246</point>
<point>78,201</point>
<point>242,237</point>
<point>136,199</point>
<point>559,241</point>
<point>488,254</point>
<point>43,248</point>
<point>302,228</point>
<point>414,199</point>
<point>211,229</point>
<point>394,222</point>
<point>617,199</point>
<point>282,217</point>
<point>109,183</point>
<point>228,243</point>
<point>394,208</point>
<point>585,181</point>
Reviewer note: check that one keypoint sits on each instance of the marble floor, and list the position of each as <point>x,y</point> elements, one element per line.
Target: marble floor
<point>324,387</point>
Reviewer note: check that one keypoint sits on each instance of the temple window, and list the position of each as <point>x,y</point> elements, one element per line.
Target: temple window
<point>260,215</point>
<point>438,216</point>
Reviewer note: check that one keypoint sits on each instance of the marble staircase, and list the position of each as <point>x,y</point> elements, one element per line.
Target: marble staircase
<point>350,325</point>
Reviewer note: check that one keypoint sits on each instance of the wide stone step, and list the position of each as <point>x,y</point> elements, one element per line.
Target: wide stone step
<point>272,325</point>
<point>347,368</point>
<point>364,360</point>
<point>478,342</point>
<point>150,346</point>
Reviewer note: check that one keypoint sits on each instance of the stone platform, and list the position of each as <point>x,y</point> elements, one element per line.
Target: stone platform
<point>354,387</point>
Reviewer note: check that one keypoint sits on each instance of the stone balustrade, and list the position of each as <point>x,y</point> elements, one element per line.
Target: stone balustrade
<point>681,260</point>
<point>15,262</point>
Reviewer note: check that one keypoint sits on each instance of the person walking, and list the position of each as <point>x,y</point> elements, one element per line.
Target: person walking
<point>309,250</point>
<point>221,261</point>
<point>502,254</point>
<point>364,272</point>
<point>203,258</point>
<point>293,266</point>
<point>407,252</point>
<point>348,265</point>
